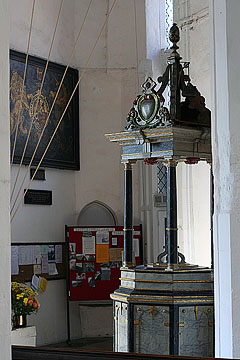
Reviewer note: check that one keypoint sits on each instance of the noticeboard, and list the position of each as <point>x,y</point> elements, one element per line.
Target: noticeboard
<point>94,260</point>
<point>43,259</point>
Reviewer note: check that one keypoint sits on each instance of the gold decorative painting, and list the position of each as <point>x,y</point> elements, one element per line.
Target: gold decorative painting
<point>28,107</point>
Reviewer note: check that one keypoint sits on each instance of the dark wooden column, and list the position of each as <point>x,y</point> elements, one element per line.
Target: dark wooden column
<point>175,69</point>
<point>171,228</point>
<point>128,216</point>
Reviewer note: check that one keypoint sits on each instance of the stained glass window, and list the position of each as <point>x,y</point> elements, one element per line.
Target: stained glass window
<point>169,18</point>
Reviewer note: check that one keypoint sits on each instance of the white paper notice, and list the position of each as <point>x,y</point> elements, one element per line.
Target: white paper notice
<point>136,247</point>
<point>14,260</point>
<point>102,237</point>
<point>93,229</point>
<point>44,249</point>
<point>37,257</point>
<point>117,233</point>
<point>35,282</point>
<point>52,269</point>
<point>37,269</point>
<point>44,263</point>
<point>25,255</point>
<point>114,241</point>
<point>58,254</point>
<point>88,245</point>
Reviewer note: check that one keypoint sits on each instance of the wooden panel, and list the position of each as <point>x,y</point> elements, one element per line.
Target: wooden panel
<point>33,353</point>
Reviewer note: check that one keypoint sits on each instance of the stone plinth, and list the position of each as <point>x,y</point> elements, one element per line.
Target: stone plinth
<point>164,311</point>
<point>24,336</point>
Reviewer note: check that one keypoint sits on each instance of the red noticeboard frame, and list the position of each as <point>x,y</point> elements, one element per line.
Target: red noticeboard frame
<point>89,287</point>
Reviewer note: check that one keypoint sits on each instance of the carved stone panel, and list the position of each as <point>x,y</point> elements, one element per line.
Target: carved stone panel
<point>196,331</point>
<point>151,329</point>
<point>121,326</point>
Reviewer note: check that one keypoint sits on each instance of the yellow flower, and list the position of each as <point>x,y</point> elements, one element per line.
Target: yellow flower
<point>30,292</point>
<point>25,301</point>
<point>24,296</point>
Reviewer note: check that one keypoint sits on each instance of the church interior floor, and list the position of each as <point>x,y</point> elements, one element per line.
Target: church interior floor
<point>98,343</point>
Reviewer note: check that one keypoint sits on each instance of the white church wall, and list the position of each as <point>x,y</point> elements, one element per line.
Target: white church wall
<point>152,217</point>
<point>192,16</point>
<point>5,309</point>
<point>194,213</point>
<point>45,223</point>
<point>225,50</point>
<point>106,94</point>
<point>125,48</point>
<point>45,16</point>
<point>108,91</point>
<point>193,203</point>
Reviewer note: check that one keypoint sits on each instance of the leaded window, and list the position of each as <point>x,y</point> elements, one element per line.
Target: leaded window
<point>162,179</point>
<point>169,18</point>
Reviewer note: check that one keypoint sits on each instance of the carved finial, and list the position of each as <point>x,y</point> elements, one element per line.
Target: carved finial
<point>174,36</point>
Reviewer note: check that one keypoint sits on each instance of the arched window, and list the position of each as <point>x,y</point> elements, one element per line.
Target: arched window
<point>97,213</point>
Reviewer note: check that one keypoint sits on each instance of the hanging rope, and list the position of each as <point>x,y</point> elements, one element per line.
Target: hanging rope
<point>37,102</point>
<point>69,101</point>
<point>24,77</point>
<point>50,112</point>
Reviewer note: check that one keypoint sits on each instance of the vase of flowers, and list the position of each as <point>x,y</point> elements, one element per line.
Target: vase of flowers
<point>19,321</point>
<point>24,302</point>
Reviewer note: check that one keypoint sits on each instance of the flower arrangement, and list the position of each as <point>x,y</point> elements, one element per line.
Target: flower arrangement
<point>24,301</point>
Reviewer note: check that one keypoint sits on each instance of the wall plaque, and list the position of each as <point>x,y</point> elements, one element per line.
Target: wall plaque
<point>40,174</point>
<point>38,197</point>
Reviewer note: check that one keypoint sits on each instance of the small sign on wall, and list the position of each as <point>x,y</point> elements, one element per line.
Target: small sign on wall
<point>38,197</point>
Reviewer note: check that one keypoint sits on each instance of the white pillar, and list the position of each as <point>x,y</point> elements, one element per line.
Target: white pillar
<point>226,168</point>
<point>5,275</point>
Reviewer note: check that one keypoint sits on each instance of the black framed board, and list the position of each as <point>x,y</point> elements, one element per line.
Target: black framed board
<point>63,152</point>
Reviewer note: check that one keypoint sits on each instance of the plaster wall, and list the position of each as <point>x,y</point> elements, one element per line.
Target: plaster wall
<point>193,181</point>
<point>106,94</point>
<point>152,216</point>
<point>194,213</point>
<point>5,307</point>
<point>37,223</point>
<point>225,102</point>
<point>192,17</point>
